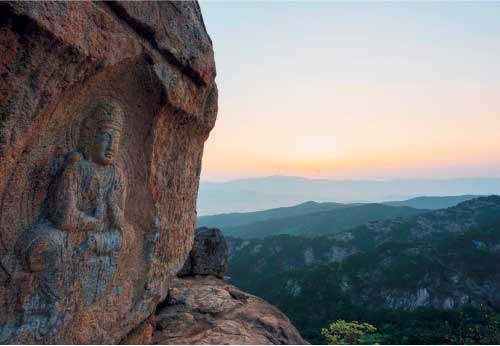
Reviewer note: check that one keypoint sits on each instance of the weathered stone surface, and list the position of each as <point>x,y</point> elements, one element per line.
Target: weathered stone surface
<point>104,110</point>
<point>208,255</point>
<point>201,308</point>
<point>167,27</point>
<point>206,310</point>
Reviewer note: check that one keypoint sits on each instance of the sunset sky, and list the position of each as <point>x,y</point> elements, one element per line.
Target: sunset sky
<point>355,90</point>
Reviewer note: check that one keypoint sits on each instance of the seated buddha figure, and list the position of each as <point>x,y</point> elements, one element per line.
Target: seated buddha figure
<point>89,195</point>
<point>76,245</point>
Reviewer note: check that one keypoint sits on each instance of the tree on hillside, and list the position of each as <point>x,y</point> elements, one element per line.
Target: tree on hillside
<point>350,333</point>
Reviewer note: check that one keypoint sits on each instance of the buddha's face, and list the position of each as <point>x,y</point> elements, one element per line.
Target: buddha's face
<point>105,146</point>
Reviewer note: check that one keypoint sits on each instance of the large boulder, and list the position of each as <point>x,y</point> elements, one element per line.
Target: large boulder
<point>104,111</point>
<point>202,308</point>
<point>208,255</point>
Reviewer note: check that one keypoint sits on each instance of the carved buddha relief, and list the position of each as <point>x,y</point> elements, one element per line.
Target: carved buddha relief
<point>74,249</point>
<point>90,194</point>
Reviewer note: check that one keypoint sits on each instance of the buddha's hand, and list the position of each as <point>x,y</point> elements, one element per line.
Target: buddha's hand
<point>115,212</point>
<point>109,243</point>
<point>101,201</point>
<point>90,245</point>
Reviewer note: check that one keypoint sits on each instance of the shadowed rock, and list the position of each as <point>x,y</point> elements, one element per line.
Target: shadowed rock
<point>209,254</point>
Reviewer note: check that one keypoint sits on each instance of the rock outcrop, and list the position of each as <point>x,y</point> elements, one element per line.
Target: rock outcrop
<point>208,311</point>
<point>208,255</point>
<point>202,308</point>
<point>104,111</point>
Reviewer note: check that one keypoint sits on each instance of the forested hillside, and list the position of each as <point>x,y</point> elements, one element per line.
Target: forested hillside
<point>399,274</point>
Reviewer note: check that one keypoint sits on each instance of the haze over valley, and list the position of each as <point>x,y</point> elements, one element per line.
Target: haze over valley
<point>255,194</point>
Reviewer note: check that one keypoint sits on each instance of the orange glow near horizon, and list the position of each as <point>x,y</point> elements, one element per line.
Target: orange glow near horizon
<point>339,135</point>
<point>415,98</point>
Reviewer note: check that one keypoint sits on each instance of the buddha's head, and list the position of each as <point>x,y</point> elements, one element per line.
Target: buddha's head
<point>103,129</point>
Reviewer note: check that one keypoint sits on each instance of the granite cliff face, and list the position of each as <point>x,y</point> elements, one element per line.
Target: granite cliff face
<point>104,110</point>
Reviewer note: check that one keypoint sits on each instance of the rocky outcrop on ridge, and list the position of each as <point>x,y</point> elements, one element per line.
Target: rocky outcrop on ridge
<point>202,308</point>
<point>206,310</point>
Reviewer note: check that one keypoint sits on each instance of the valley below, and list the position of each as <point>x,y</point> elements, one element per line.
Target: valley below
<point>419,275</point>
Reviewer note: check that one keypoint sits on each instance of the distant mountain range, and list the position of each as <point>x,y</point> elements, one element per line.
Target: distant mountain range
<point>238,219</point>
<point>313,219</point>
<point>283,252</point>
<point>304,219</point>
<point>431,202</point>
<point>248,195</point>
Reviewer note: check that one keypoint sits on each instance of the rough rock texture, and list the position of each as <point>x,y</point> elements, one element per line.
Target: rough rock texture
<point>206,310</point>
<point>208,255</point>
<point>104,110</point>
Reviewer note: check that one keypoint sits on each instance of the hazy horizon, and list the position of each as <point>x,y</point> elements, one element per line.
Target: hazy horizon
<point>317,178</point>
<point>246,195</point>
<point>311,89</point>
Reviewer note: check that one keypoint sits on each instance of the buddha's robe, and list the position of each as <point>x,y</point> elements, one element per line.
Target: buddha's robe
<point>74,249</point>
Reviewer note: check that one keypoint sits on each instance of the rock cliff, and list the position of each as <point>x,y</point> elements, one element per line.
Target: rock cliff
<point>104,111</point>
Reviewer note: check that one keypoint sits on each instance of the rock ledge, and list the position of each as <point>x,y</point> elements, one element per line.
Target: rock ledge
<point>202,308</point>
<point>207,310</point>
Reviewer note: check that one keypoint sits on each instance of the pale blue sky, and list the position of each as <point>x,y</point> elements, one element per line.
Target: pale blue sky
<point>355,90</point>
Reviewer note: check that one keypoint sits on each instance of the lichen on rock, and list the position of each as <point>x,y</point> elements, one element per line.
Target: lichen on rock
<point>105,108</point>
